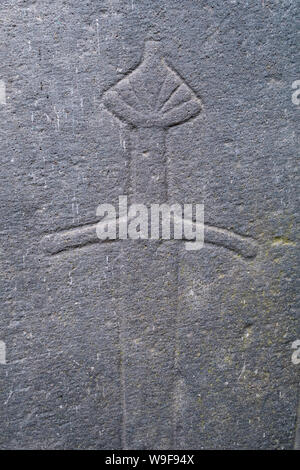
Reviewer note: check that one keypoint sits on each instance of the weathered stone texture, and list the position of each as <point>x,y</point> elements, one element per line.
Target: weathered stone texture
<point>144,344</point>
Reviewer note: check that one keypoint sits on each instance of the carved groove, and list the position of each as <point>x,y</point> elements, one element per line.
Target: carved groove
<point>243,246</point>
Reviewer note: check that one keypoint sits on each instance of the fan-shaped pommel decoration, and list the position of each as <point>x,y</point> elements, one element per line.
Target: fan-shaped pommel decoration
<point>153,95</point>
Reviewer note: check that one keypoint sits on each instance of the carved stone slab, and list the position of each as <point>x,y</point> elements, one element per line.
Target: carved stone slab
<point>144,345</point>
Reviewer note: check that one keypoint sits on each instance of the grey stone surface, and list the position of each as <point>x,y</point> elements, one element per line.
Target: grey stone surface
<point>142,344</point>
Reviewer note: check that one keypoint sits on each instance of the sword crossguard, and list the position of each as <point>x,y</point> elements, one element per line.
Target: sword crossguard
<point>150,99</point>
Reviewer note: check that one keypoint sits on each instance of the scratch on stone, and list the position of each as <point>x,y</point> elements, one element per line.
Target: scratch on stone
<point>98,38</point>
<point>2,92</point>
<point>9,397</point>
<point>242,372</point>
